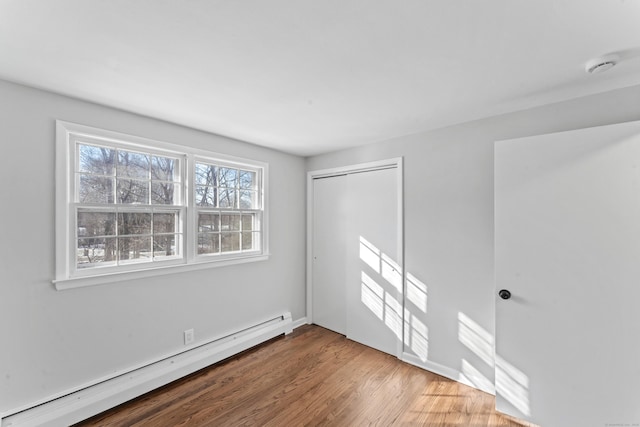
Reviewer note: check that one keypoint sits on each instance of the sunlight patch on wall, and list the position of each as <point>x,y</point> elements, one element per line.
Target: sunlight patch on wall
<point>381,263</point>
<point>382,304</point>
<point>474,376</point>
<point>510,382</point>
<point>475,338</point>
<point>386,307</point>
<point>393,315</point>
<point>370,254</point>
<point>372,295</point>
<point>391,272</point>
<point>417,292</point>
<point>416,335</point>
<point>513,385</point>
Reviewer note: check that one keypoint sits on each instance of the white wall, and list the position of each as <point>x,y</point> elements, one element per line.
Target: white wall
<point>449,218</point>
<point>56,340</point>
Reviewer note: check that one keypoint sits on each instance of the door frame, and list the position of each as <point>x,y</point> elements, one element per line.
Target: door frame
<point>395,162</point>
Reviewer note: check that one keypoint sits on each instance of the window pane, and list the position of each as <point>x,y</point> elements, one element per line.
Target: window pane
<point>162,193</point>
<point>230,242</point>
<point>133,191</point>
<point>95,252</point>
<point>208,243</point>
<point>248,199</point>
<point>208,222</point>
<point>230,222</point>
<point>206,175</point>
<point>133,165</point>
<point>250,241</point>
<point>95,189</point>
<point>134,223</point>
<point>228,178</point>
<point>134,249</point>
<point>165,222</point>
<point>227,198</point>
<point>164,169</point>
<point>96,224</point>
<point>206,196</point>
<point>248,222</point>
<point>247,180</point>
<point>164,245</point>
<point>96,160</point>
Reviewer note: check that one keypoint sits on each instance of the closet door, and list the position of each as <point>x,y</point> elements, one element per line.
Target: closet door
<point>357,279</point>
<point>567,247</point>
<point>330,214</point>
<point>374,275</point>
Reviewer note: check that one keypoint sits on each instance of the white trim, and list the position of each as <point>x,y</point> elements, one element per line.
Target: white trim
<point>359,167</point>
<point>262,171</point>
<point>431,366</point>
<point>396,162</point>
<point>443,371</point>
<point>62,197</point>
<point>119,138</point>
<point>401,249</point>
<point>83,402</point>
<point>79,282</point>
<point>300,322</point>
<point>66,276</point>
<point>309,278</point>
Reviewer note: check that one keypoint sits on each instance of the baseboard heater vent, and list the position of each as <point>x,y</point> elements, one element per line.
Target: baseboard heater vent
<point>91,400</point>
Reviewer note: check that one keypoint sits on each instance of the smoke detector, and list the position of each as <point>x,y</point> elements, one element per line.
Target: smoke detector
<point>600,65</point>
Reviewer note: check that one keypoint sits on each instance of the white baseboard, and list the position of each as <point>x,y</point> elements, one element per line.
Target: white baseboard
<point>85,403</point>
<point>299,322</point>
<point>444,371</point>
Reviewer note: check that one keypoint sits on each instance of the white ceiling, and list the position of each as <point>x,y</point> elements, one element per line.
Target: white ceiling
<point>308,76</point>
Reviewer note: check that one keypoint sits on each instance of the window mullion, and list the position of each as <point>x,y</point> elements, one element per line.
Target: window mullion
<point>190,222</point>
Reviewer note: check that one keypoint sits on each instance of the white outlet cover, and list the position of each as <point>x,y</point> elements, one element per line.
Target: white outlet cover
<point>189,336</point>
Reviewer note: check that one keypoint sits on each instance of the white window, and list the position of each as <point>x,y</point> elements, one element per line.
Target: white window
<point>132,206</point>
<point>227,204</point>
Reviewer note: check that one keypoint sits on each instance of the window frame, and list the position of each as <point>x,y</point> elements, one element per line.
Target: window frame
<point>179,207</point>
<point>67,275</point>
<point>260,211</point>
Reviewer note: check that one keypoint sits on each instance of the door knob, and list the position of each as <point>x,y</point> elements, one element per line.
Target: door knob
<point>504,294</point>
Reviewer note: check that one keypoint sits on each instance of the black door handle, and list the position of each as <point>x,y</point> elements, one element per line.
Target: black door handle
<point>504,294</point>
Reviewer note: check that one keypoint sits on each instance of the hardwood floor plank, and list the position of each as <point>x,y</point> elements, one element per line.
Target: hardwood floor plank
<point>312,377</point>
<point>363,375</point>
<point>270,367</point>
<point>297,381</point>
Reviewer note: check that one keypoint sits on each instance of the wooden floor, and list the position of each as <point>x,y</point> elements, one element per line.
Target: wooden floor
<point>312,377</point>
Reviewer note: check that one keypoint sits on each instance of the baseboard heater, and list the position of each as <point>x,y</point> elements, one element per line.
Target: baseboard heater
<point>91,400</point>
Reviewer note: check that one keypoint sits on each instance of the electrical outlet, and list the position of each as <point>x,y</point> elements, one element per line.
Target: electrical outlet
<point>189,336</point>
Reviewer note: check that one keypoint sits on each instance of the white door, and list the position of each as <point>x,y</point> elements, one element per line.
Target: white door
<point>374,276</point>
<point>357,279</point>
<point>567,247</point>
<point>329,253</point>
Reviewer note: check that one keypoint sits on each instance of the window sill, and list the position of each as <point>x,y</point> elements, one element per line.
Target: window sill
<point>101,279</point>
